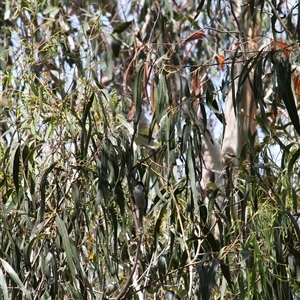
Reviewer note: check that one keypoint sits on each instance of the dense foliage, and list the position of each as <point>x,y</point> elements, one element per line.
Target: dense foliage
<point>96,95</point>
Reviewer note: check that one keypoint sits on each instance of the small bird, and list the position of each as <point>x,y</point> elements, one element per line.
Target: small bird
<point>140,200</point>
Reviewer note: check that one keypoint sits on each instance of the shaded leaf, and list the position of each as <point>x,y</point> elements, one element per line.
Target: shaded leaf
<point>285,89</point>
<point>44,183</point>
<point>16,168</point>
<point>138,91</point>
<point>292,161</point>
<point>66,242</point>
<point>116,47</point>
<point>122,27</point>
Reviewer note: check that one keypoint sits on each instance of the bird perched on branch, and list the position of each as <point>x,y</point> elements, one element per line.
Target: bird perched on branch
<point>141,201</point>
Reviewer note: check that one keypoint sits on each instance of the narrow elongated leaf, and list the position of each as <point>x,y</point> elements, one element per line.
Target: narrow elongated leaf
<point>195,36</point>
<point>199,8</point>
<point>292,161</point>
<point>295,224</point>
<point>138,91</point>
<point>3,286</point>
<point>232,77</point>
<point>192,175</point>
<point>43,190</point>
<point>116,47</point>
<point>54,286</point>
<point>66,242</point>
<point>86,135</point>
<point>29,248</point>
<point>122,27</point>
<point>16,168</point>
<point>285,89</point>
<point>157,226</point>
<point>8,268</point>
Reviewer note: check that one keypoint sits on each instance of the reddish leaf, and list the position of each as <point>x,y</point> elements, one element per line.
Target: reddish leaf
<point>130,115</point>
<point>196,84</point>
<point>195,36</point>
<point>296,80</point>
<point>282,46</point>
<point>220,60</point>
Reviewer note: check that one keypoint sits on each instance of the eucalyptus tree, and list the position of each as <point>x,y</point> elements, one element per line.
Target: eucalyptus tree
<point>198,100</point>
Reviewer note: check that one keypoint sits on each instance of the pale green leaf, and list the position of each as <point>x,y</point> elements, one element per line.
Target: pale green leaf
<point>7,267</point>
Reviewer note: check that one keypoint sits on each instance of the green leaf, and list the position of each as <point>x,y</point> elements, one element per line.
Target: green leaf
<point>244,76</point>
<point>27,251</point>
<point>86,134</point>
<point>116,47</point>
<point>157,227</point>
<point>3,285</point>
<point>285,90</point>
<point>192,176</point>
<point>52,11</point>
<point>44,183</point>
<point>137,91</point>
<point>292,161</point>
<point>66,242</point>
<point>16,168</point>
<point>207,274</point>
<point>7,267</point>
<point>121,27</point>
<point>199,8</point>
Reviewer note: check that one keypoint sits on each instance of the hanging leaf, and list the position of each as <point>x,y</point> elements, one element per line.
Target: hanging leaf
<point>292,161</point>
<point>16,168</point>
<point>196,83</point>
<point>66,243</point>
<point>3,285</point>
<point>130,114</point>
<point>285,90</point>
<point>138,90</point>
<point>116,47</point>
<point>296,81</point>
<point>199,8</point>
<point>221,60</point>
<point>44,183</point>
<point>8,268</point>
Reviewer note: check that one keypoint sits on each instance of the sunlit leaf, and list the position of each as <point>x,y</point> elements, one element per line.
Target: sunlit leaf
<point>8,268</point>
<point>66,242</point>
<point>296,81</point>
<point>221,60</point>
<point>3,285</point>
<point>94,97</point>
<point>283,46</point>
